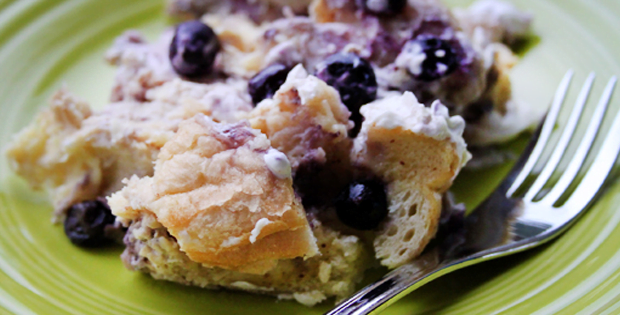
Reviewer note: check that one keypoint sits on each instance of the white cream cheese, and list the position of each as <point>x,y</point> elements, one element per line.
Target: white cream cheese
<point>260,224</point>
<point>278,163</point>
<point>411,58</point>
<point>244,285</point>
<point>377,5</point>
<point>404,111</point>
<point>231,241</point>
<point>306,85</point>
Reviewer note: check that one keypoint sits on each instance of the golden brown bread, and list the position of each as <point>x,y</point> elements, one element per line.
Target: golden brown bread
<point>305,119</point>
<point>77,154</point>
<point>417,156</point>
<point>65,153</point>
<point>334,272</point>
<point>216,193</point>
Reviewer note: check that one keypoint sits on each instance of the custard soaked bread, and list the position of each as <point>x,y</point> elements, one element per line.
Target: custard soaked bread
<point>75,153</point>
<point>222,202</point>
<point>225,195</point>
<point>281,147</point>
<point>220,210</point>
<point>417,151</point>
<point>305,119</point>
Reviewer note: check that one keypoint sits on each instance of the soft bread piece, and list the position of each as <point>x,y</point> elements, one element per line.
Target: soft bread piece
<point>240,39</point>
<point>77,154</point>
<point>259,10</point>
<point>494,20</point>
<point>502,116</point>
<point>417,151</point>
<point>225,195</point>
<point>329,11</point>
<point>334,272</point>
<point>140,65</point>
<point>305,119</point>
<point>67,150</point>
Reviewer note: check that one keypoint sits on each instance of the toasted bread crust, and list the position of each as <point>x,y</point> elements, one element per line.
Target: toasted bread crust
<point>214,192</point>
<point>418,161</point>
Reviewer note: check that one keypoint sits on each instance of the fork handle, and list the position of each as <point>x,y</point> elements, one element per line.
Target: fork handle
<point>379,295</point>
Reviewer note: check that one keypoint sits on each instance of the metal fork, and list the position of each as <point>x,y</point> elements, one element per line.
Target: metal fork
<point>513,219</point>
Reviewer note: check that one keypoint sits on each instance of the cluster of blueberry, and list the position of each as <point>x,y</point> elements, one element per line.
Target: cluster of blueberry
<point>193,50</point>
<point>195,45</point>
<point>362,205</point>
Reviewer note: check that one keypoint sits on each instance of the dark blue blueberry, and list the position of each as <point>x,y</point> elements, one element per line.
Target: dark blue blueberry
<point>383,7</point>
<point>353,77</point>
<point>86,223</point>
<point>441,58</point>
<point>265,84</point>
<point>193,49</point>
<point>363,204</point>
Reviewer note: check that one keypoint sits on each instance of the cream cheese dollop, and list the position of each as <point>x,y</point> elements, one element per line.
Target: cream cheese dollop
<point>406,112</point>
<point>411,58</point>
<point>278,163</point>
<point>258,228</point>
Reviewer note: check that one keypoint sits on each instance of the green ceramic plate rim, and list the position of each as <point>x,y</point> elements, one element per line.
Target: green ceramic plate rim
<point>45,43</point>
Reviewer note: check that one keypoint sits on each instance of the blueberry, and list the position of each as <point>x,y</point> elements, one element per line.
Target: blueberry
<point>363,204</point>
<point>474,112</point>
<point>383,7</point>
<point>441,58</point>
<point>353,77</point>
<point>265,84</point>
<point>193,49</point>
<point>86,222</point>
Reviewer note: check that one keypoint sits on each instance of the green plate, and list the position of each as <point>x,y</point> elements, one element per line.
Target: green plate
<point>47,43</point>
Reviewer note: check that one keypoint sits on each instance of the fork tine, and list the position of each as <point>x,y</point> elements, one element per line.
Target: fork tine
<point>584,147</point>
<point>562,144</point>
<point>597,174</point>
<point>547,128</point>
